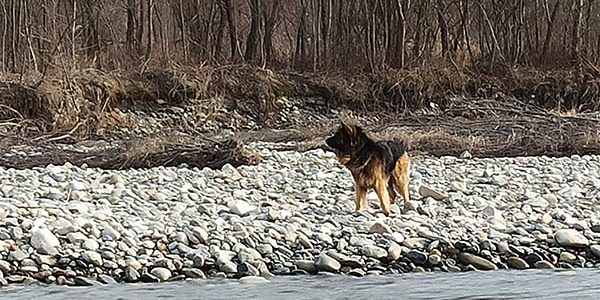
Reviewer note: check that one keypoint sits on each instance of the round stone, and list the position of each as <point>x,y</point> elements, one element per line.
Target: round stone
<point>44,237</point>
<point>567,257</point>
<point>110,234</point>
<point>163,274</point>
<point>374,251</point>
<point>90,244</point>
<point>92,257</point>
<point>516,262</point>
<point>570,238</point>
<point>595,249</point>
<point>477,262</point>
<point>544,264</point>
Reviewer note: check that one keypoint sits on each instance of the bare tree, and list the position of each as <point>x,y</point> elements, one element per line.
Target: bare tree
<point>314,35</point>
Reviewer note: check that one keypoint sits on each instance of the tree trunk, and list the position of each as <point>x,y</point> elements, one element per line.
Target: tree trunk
<point>402,34</point>
<point>129,32</point>
<point>252,40</point>
<point>443,29</point>
<point>576,38</point>
<point>220,31</point>
<point>326,20</point>
<point>73,30</point>
<point>550,20</point>
<point>150,8</point>
<point>140,26</point>
<point>183,29</point>
<point>233,40</point>
<point>300,52</point>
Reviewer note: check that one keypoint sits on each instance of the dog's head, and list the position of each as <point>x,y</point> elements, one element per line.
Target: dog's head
<point>346,140</point>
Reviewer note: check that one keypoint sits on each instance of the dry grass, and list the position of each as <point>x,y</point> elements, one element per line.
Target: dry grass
<point>472,112</point>
<point>491,129</point>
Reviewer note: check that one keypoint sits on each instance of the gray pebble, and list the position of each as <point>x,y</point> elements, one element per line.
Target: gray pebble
<point>193,273</point>
<point>570,238</point>
<point>84,281</point>
<point>17,255</point>
<point>103,278</point>
<point>326,263</point>
<point>92,257</point>
<point>477,262</point>
<point>374,251</point>
<point>131,275</point>
<point>517,263</point>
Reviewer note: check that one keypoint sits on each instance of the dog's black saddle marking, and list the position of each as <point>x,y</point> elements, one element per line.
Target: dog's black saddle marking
<point>390,152</point>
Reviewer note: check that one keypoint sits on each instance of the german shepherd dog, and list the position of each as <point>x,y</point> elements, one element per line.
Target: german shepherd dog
<point>380,165</point>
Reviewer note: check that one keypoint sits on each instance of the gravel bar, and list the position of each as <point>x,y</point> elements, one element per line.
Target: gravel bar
<point>294,214</point>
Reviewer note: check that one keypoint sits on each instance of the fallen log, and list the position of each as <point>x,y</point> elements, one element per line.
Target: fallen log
<point>138,153</point>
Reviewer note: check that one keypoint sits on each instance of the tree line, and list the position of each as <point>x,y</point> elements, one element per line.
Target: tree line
<point>304,35</point>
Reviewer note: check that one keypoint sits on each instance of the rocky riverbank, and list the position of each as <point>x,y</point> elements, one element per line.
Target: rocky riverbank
<point>293,214</point>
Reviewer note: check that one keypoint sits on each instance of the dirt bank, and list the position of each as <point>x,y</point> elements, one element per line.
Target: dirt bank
<point>436,111</point>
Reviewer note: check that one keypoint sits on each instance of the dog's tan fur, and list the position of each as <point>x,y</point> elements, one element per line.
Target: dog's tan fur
<point>367,161</point>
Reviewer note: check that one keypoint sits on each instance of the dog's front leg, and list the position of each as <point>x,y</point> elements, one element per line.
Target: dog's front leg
<point>361,197</point>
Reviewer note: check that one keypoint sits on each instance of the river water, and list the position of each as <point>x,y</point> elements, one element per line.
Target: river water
<point>528,284</point>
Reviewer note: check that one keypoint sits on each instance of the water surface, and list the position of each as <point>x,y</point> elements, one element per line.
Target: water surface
<point>527,284</point>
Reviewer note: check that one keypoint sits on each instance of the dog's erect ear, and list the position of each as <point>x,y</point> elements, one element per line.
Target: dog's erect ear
<point>358,130</point>
<point>344,126</point>
<point>356,135</point>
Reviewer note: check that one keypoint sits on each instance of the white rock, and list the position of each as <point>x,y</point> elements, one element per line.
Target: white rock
<point>77,186</point>
<point>394,252</point>
<point>546,218</point>
<point>242,208</point>
<point>327,263</point>
<point>551,198</point>
<point>374,251</point>
<point>76,237</point>
<point>200,234</point>
<point>163,274</point>
<point>253,280</point>
<point>538,202</point>
<point>570,238</point>
<point>92,257</point>
<point>90,244</point>
<point>457,186</point>
<point>78,207</point>
<point>116,178</point>
<point>498,223</point>
<point>44,236</point>
<point>110,234</point>
<point>397,237</point>
<point>595,249</point>
<point>567,257</point>
<point>466,155</point>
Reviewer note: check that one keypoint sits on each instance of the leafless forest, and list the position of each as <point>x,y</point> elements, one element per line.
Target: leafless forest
<point>494,77</point>
<point>304,35</point>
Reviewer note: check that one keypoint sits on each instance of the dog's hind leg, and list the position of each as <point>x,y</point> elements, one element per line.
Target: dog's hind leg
<point>402,177</point>
<point>390,187</point>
